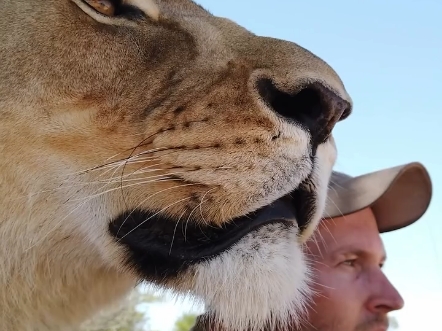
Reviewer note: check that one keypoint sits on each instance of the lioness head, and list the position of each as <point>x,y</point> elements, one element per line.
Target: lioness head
<point>153,141</point>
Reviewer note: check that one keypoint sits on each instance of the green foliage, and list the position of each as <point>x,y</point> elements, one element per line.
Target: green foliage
<point>125,317</point>
<point>185,322</point>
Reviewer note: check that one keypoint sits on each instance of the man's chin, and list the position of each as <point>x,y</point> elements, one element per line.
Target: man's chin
<point>379,323</point>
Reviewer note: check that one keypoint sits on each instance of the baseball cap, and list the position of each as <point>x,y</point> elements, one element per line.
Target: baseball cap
<point>398,196</point>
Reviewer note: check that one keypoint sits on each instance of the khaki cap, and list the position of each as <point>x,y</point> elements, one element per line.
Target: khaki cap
<point>398,196</point>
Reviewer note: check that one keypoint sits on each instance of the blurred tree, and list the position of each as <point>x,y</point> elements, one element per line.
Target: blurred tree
<point>125,317</point>
<point>185,322</point>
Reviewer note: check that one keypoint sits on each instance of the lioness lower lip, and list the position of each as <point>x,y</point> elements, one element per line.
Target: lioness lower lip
<point>159,248</point>
<point>280,209</point>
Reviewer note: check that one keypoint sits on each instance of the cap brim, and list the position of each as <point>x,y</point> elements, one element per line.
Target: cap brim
<point>398,196</point>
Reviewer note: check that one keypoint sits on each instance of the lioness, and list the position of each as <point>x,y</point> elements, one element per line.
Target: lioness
<point>150,140</point>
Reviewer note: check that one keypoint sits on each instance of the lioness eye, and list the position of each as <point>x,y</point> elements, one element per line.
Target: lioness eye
<point>105,7</point>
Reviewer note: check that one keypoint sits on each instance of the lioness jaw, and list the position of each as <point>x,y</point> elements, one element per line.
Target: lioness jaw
<point>152,140</point>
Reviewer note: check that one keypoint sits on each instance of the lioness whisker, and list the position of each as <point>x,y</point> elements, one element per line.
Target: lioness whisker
<point>201,204</point>
<point>162,178</point>
<point>136,158</point>
<point>174,231</point>
<point>121,163</point>
<point>153,215</point>
<point>86,199</point>
<point>117,161</point>
<point>125,164</point>
<point>117,179</point>
<point>330,200</point>
<point>109,180</point>
<point>151,196</point>
<point>187,221</point>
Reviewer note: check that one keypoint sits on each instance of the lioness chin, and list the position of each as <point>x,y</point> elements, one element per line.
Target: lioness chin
<point>150,140</point>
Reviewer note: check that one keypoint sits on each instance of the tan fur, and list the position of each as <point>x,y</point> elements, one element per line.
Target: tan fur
<point>95,110</point>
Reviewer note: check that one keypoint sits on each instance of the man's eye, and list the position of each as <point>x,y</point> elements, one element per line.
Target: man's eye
<point>350,262</point>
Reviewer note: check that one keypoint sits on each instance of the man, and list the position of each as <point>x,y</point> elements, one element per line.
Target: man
<point>347,254</point>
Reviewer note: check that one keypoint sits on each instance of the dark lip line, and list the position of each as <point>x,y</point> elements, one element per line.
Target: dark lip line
<point>149,246</point>
<point>277,211</point>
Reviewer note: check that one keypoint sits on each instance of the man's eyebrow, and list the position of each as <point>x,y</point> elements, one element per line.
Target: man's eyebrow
<point>358,252</point>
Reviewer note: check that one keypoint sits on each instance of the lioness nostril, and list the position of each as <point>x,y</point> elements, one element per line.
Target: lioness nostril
<point>346,113</point>
<point>314,107</point>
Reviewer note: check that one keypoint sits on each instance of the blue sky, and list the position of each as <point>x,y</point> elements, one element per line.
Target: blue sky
<point>389,55</point>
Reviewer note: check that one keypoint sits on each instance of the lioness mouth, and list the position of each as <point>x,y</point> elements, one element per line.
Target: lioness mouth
<point>161,248</point>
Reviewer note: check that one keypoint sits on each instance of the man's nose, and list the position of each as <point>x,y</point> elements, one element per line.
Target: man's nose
<point>386,297</point>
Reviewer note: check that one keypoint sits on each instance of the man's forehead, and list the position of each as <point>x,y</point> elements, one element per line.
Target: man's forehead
<point>353,232</point>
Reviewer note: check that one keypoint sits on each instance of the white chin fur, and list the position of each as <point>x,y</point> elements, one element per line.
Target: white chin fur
<point>273,274</point>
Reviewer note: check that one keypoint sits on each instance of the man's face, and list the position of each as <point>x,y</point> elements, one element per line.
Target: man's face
<point>353,294</point>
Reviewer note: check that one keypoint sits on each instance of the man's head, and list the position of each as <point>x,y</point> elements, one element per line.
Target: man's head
<point>352,291</point>
<point>347,253</point>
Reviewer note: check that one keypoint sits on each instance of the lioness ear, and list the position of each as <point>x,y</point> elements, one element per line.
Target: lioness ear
<point>103,10</point>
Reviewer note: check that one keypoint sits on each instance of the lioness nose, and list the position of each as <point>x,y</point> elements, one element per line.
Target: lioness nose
<point>314,107</point>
